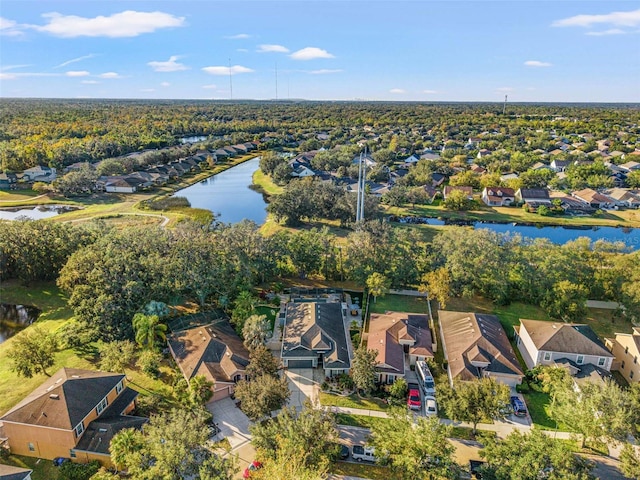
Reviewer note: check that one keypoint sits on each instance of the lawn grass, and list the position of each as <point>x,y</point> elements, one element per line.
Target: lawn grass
<point>538,405</point>
<point>269,311</point>
<point>265,184</point>
<point>399,303</point>
<point>352,401</point>
<point>362,421</point>
<point>364,470</point>
<point>42,469</point>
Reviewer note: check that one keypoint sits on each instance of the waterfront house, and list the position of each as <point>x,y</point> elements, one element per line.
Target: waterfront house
<point>626,349</point>
<point>533,196</point>
<point>624,197</point>
<point>594,199</point>
<point>498,196</point>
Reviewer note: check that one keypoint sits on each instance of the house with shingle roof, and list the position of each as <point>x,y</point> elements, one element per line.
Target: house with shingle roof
<point>214,351</point>
<point>315,334</point>
<point>58,419</point>
<point>400,339</point>
<point>475,345</point>
<point>8,472</point>
<point>546,343</point>
<point>626,349</point>
<point>498,196</point>
<point>594,198</point>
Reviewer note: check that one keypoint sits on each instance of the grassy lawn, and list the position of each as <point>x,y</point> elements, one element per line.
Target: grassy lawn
<point>352,401</point>
<point>399,303</point>
<point>42,469</point>
<point>538,404</point>
<point>362,421</point>
<point>55,313</point>
<point>364,470</point>
<point>270,311</point>
<point>264,183</point>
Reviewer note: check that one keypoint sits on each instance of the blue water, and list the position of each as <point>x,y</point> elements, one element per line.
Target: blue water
<point>36,213</point>
<point>228,194</point>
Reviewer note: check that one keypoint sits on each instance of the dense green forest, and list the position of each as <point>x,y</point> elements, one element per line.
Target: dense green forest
<point>62,132</point>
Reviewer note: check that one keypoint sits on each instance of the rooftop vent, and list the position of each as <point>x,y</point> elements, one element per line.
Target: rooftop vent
<point>54,396</point>
<point>103,430</point>
<point>75,376</point>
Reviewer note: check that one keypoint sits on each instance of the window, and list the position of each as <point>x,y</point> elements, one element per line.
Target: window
<point>119,387</point>
<point>547,356</point>
<point>626,350</point>
<point>72,453</point>
<point>32,447</point>
<point>101,406</point>
<point>635,359</point>
<point>79,429</point>
<point>631,374</point>
<point>622,365</point>
<point>601,361</point>
<point>580,359</point>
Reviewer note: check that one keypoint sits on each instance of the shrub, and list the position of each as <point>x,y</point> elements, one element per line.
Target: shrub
<point>79,471</point>
<point>523,387</point>
<point>149,363</point>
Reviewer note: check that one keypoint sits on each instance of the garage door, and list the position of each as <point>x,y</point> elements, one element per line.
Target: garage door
<point>300,363</point>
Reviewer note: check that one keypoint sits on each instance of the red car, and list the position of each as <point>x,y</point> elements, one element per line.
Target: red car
<point>413,402</point>
<point>253,466</point>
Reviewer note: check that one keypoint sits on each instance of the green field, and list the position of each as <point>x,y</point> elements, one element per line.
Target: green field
<point>352,401</point>
<point>399,303</point>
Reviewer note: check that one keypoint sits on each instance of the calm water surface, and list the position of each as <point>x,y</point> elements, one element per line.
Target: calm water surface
<point>14,318</point>
<point>36,213</point>
<point>228,194</point>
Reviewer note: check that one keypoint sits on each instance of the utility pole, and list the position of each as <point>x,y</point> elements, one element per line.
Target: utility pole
<point>504,108</point>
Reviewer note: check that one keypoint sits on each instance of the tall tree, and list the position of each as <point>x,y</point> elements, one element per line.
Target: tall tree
<point>567,301</point>
<point>200,390</point>
<point>255,331</point>
<point>123,445</point>
<point>415,448</point>
<point>437,284</point>
<point>149,331</point>
<point>33,351</point>
<point>116,356</point>
<point>474,401</point>
<point>378,285</point>
<point>630,461</point>
<point>262,395</point>
<point>363,369</point>
<point>243,307</point>
<point>262,362</point>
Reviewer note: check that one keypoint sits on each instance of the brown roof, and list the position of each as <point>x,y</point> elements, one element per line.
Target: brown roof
<point>478,338</point>
<point>387,330</point>
<point>572,338</point>
<point>589,195</point>
<point>8,472</point>
<point>213,350</point>
<point>64,399</point>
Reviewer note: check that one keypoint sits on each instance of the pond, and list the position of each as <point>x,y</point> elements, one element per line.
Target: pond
<point>36,213</point>
<point>14,318</point>
<point>194,139</point>
<point>228,195</point>
<point>557,234</point>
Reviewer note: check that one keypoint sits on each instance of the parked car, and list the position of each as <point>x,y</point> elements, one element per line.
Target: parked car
<point>519,409</point>
<point>414,402</point>
<point>425,377</point>
<point>363,453</point>
<point>344,452</point>
<point>253,466</point>
<point>430,406</point>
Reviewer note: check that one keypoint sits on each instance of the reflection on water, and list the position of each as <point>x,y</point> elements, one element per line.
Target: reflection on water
<point>14,318</point>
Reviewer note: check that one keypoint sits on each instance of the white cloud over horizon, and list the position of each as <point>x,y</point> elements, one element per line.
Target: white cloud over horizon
<point>618,19</point>
<point>325,71</point>
<point>77,73</point>
<point>165,84</point>
<point>397,91</point>
<point>611,31</point>
<point>239,36</point>
<point>170,65</point>
<point>310,53</point>
<point>129,23</point>
<point>110,75</point>
<point>90,82</point>
<point>211,86</point>
<point>537,64</point>
<point>222,70</point>
<point>430,92</point>
<point>269,48</point>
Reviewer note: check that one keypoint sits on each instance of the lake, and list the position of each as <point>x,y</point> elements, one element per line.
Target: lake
<point>228,195</point>
<point>14,318</point>
<point>37,213</point>
<point>559,234</point>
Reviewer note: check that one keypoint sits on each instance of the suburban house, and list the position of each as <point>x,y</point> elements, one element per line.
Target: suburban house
<point>40,174</point>
<point>411,159</point>
<point>8,180</point>
<point>483,153</point>
<point>560,165</point>
<point>475,345</point>
<point>624,198</point>
<point>533,196</point>
<point>75,414</point>
<point>594,199</point>
<point>509,176</point>
<point>214,351</point>
<point>437,179</point>
<point>430,156</point>
<point>8,472</point>
<point>400,339</point>
<point>315,335</point>
<point>303,171</point>
<point>498,196</point>
<point>468,191</point>
<point>626,349</point>
<point>548,343</point>
<point>630,166</point>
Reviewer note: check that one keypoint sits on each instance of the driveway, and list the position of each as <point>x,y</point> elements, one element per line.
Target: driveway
<point>301,385</point>
<point>233,424</point>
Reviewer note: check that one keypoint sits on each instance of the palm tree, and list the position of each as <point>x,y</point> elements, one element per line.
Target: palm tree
<point>149,330</point>
<point>124,443</point>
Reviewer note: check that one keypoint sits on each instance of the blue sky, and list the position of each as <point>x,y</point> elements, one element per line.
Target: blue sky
<point>583,51</point>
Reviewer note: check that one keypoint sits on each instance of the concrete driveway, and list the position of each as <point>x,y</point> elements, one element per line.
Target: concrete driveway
<point>233,424</point>
<point>301,385</point>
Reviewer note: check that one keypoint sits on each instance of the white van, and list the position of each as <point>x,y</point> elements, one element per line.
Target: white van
<point>362,452</point>
<point>425,378</point>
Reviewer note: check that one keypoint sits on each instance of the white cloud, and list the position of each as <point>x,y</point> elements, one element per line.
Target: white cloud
<point>430,92</point>
<point>325,71</point>
<point>8,76</point>
<point>147,89</point>
<point>242,50</point>
<point>90,82</point>
<point>210,86</point>
<point>611,31</point>
<point>536,63</point>
<point>10,28</point>
<point>169,66</point>
<point>77,73</point>
<point>74,60</point>
<point>239,36</point>
<point>619,19</point>
<point>165,84</point>
<point>4,68</point>
<point>220,70</point>
<point>124,24</point>
<point>397,90</point>
<point>504,89</point>
<point>272,48</point>
<point>310,53</point>
<point>110,75</point>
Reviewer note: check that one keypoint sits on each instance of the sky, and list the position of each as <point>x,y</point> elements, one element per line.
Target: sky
<point>476,50</point>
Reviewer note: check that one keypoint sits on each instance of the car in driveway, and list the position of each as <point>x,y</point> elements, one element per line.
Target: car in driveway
<point>253,466</point>
<point>413,401</point>
<point>519,409</point>
<point>430,406</point>
<point>363,453</point>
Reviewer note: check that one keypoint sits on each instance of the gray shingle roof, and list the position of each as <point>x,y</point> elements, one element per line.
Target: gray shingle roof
<point>565,338</point>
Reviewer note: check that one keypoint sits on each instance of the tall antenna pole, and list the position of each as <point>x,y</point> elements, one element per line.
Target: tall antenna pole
<point>504,108</point>
<point>276,81</point>
<point>230,82</point>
